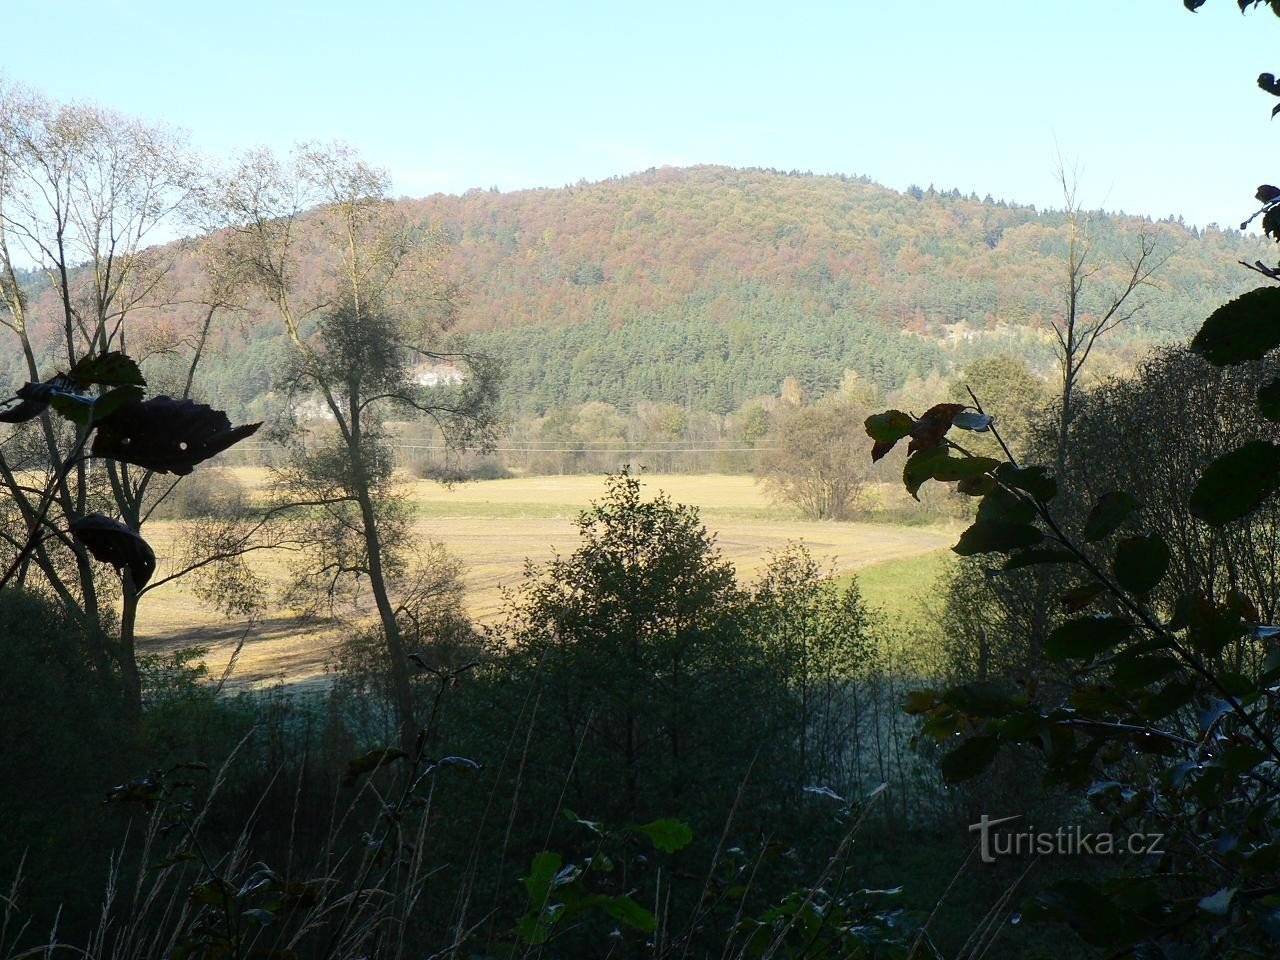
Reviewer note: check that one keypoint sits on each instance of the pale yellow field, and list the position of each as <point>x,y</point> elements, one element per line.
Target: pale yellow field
<point>493,526</point>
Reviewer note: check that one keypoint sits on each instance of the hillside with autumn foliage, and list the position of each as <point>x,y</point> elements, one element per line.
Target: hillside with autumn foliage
<point>709,285</point>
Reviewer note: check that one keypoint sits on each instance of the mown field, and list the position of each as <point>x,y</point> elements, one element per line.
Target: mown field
<point>495,525</point>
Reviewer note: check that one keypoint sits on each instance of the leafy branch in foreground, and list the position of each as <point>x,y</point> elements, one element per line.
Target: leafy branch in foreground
<point>1166,721</point>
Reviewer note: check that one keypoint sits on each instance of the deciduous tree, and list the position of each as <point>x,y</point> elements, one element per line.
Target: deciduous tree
<point>815,462</point>
<point>87,197</point>
<point>364,304</point>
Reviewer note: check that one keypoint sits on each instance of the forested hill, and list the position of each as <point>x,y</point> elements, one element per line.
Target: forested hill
<point>708,285</point>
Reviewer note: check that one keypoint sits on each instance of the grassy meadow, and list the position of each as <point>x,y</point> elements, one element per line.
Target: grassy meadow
<point>495,525</point>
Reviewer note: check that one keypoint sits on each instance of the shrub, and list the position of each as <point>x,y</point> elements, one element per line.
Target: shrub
<point>209,492</point>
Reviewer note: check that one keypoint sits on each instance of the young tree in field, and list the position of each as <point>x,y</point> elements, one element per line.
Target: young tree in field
<point>818,637</point>
<point>1021,394</point>
<point>638,642</point>
<point>815,463</point>
<point>364,304</point>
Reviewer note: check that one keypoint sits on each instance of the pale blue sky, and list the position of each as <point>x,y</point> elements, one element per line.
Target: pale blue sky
<point>1157,105</point>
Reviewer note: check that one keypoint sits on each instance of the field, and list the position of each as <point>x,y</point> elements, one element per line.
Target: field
<point>494,525</point>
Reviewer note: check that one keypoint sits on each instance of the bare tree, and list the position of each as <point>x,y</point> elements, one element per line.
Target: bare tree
<point>1079,329</point>
<point>816,462</point>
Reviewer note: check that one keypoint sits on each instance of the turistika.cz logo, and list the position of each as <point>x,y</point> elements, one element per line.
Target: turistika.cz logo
<point>1065,841</point>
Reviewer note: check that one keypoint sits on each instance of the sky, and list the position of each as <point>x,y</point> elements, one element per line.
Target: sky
<point>1154,108</point>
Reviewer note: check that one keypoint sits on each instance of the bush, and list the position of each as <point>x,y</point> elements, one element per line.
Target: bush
<point>486,468</point>
<point>208,492</point>
<point>62,741</point>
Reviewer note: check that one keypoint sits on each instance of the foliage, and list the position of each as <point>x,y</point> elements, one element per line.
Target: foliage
<point>85,194</point>
<point>559,892</point>
<point>633,638</point>
<point>820,637</point>
<point>60,730</point>
<point>1163,710</point>
<point>719,283</point>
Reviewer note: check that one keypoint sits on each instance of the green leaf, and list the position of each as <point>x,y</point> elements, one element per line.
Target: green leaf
<point>990,536</point>
<point>977,486</point>
<point>1211,627</point>
<point>969,759</point>
<point>1141,563</point>
<point>116,543</point>
<point>1269,400</point>
<point>667,835</point>
<point>1111,510</point>
<point>535,926</point>
<point>166,435</point>
<point>84,411</point>
<point>79,410</point>
<point>1242,756</point>
<point>1001,504</point>
<point>1081,595</point>
<point>113,400</point>
<point>628,911</point>
<point>1086,637</point>
<point>1172,696</point>
<point>1236,483</point>
<point>1033,480</point>
<point>1241,330</point>
<point>919,468</point>
<point>950,469</point>
<point>919,701</point>
<point>542,873</point>
<point>1136,672</point>
<point>931,429</point>
<point>892,425</point>
<point>113,369</point>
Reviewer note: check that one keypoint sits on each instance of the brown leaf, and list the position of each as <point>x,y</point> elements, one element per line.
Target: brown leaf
<point>932,427</point>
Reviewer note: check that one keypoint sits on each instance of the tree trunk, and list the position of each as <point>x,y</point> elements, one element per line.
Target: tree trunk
<point>397,656</point>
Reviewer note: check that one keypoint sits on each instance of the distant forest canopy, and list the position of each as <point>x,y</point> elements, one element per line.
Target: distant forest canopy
<point>705,287</point>
<point>708,286</point>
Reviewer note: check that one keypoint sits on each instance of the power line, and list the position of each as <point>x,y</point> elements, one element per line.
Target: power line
<point>559,449</point>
